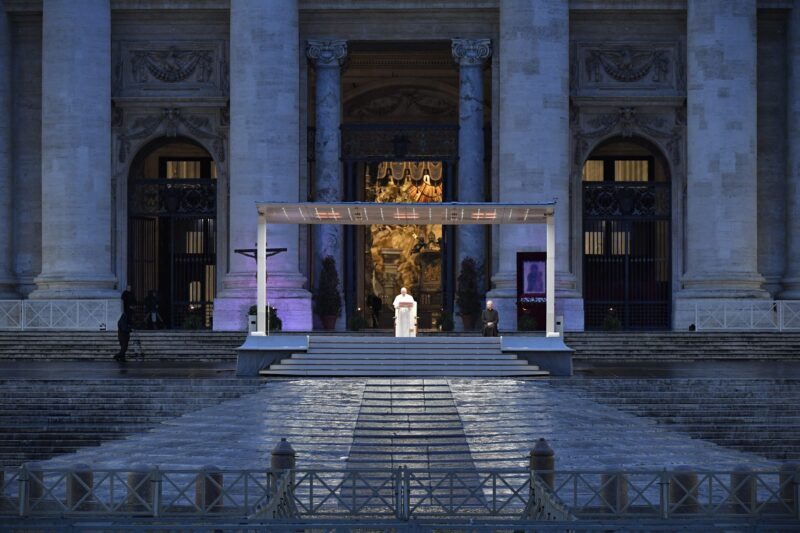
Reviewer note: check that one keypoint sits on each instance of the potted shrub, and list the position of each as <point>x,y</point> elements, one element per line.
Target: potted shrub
<point>274,323</point>
<point>526,323</point>
<point>328,299</point>
<point>467,297</point>
<point>445,322</point>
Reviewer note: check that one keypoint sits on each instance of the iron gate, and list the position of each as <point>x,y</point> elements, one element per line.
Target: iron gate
<point>172,248</point>
<point>626,254</point>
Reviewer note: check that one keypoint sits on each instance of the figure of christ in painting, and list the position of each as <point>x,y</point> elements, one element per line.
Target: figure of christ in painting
<point>405,315</point>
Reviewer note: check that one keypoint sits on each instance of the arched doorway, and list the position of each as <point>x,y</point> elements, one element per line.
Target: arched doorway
<point>626,236</point>
<point>172,215</point>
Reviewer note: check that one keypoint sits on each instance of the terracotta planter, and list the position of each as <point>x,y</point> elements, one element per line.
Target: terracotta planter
<point>469,322</point>
<point>328,322</point>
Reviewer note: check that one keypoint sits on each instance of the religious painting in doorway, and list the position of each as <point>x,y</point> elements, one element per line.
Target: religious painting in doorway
<point>531,290</point>
<point>404,256</point>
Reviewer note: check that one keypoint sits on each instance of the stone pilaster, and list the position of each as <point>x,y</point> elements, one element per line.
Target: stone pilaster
<point>76,157</point>
<point>327,58</point>
<point>471,56</point>
<point>7,281</point>
<point>721,232</point>
<point>791,281</point>
<point>534,144</point>
<point>264,160</point>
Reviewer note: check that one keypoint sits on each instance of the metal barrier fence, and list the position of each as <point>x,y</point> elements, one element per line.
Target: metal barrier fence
<point>87,315</point>
<point>402,494</point>
<point>747,315</point>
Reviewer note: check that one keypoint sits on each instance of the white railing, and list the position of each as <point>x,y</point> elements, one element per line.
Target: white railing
<point>747,315</point>
<point>87,315</point>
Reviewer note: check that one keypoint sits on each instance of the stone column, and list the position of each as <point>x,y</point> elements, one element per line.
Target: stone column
<point>534,144</point>
<point>471,56</point>
<point>7,282</point>
<point>721,232</point>
<point>76,151</point>
<point>264,160</point>
<point>791,281</point>
<point>327,58</point>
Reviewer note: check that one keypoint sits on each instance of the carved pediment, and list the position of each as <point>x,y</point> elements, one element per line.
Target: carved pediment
<point>169,122</point>
<point>646,67</point>
<point>664,127</point>
<point>179,69</point>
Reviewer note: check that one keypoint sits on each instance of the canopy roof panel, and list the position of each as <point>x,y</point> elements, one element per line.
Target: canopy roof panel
<point>368,213</point>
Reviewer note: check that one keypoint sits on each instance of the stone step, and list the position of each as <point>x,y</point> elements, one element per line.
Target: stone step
<point>335,371</point>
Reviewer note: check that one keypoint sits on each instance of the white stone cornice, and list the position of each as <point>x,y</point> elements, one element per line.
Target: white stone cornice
<point>471,52</point>
<point>326,53</point>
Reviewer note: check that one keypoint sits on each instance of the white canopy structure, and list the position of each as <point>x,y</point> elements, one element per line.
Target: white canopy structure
<point>366,213</point>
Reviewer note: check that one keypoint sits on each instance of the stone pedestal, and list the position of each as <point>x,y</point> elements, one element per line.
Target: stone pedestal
<point>264,160</point>
<point>327,58</point>
<point>76,153</point>
<point>721,232</point>
<point>7,282</point>
<point>791,280</point>
<point>471,56</point>
<point>534,113</point>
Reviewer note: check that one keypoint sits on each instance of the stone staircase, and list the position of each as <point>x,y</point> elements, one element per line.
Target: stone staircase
<point>410,357</point>
<point>665,346</point>
<point>220,346</point>
<point>752,415</point>
<point>161,345</point>
<point>43,418</point>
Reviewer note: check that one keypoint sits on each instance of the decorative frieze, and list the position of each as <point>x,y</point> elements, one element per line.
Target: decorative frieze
<point>174,69</point>
<point>628,67</point>
<point>402,104</point>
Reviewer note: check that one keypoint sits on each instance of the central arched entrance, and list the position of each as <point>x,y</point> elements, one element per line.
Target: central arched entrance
<point>626,236</point>
<point>172,219</point>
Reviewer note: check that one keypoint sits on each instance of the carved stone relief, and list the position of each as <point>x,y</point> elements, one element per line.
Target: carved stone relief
<point>186,68</point>
<point>411,102</point>
<point>169,122</point>
<point>666,128</point>
<point>628,67</point>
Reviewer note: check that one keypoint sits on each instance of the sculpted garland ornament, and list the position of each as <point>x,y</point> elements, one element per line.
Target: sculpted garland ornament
<point>172,65</point>
<point>626,65</point>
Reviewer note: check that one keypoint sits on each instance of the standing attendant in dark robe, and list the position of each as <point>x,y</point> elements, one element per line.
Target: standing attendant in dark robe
<point>490,317</point>
<point>128,301</point>
<point>124,329</point>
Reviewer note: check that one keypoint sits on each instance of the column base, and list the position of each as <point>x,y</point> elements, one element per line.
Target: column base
<point>571,309</point>
<point>68,286</point>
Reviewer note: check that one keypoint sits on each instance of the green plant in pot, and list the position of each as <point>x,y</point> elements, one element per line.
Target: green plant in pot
<point>274,323</point>
<point>328,299</point>
<point>526,323</point>
<point>445,322</point>
<point>468,299</point>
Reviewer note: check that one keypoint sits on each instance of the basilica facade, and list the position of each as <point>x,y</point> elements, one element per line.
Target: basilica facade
<point>136,137</point>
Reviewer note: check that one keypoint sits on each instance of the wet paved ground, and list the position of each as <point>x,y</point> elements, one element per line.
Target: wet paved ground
<point>328,422</point>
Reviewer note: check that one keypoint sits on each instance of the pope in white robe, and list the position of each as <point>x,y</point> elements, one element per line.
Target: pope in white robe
<point>405,315</point>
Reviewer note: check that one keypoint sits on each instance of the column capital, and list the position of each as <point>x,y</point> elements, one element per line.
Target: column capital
<point>471,52</point>
<point>326,53</point>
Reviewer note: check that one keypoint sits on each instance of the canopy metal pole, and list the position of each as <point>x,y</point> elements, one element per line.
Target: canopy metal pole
<point>550,306</point>
<point>261,276</point>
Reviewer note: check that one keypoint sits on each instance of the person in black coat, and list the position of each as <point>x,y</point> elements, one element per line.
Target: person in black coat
<point>124,329</point>
<point>128,301</point>
<point>490,317</point>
